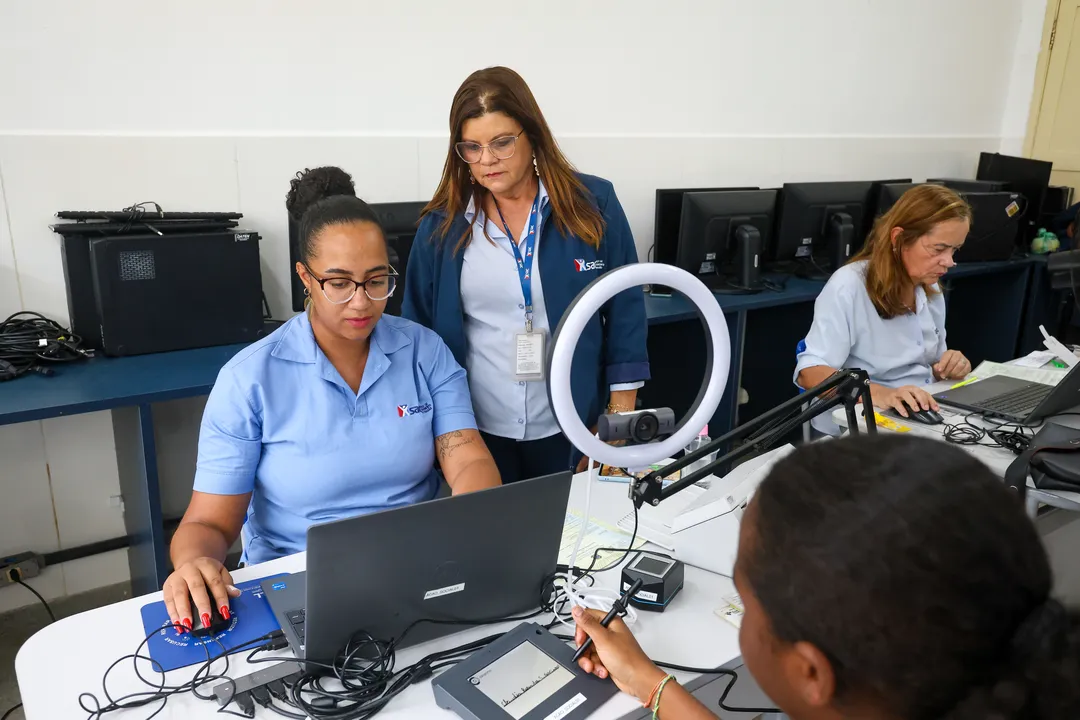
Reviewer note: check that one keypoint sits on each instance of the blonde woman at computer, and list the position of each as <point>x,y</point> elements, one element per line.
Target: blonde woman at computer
<point>883,312</point>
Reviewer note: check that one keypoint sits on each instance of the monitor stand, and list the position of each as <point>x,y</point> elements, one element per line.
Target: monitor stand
<point>839,235</point>
<point>746,279</point>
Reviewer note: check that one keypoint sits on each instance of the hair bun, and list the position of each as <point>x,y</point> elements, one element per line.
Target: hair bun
<point>315,184</point>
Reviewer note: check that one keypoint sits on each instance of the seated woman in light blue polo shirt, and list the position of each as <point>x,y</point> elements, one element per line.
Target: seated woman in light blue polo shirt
<point>340,412</point>
<point>883,312</point>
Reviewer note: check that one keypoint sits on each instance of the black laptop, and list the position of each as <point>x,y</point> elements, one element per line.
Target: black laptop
<point>467,558</point>
<point>1013,400</point>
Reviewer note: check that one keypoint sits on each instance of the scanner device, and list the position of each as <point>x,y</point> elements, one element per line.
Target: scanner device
<point>661,580</point>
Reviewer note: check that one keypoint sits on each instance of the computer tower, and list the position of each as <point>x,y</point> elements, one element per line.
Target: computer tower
<point>154,294</point>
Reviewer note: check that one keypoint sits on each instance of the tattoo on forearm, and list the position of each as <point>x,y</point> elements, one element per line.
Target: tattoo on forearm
<point>451,441</point>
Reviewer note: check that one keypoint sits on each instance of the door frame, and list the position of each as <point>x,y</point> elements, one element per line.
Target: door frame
<point>1042,66</point>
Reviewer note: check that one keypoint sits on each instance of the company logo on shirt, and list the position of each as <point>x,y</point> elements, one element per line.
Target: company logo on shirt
<point>582,266</point>
<point>406,411</point>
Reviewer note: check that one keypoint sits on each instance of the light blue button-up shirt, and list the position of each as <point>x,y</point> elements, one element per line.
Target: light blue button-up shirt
<point>494,311</point>
<point>282,424</point>
<point>847,332</point>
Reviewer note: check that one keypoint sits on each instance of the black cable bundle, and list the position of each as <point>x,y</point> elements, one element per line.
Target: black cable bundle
<point>29,341</point>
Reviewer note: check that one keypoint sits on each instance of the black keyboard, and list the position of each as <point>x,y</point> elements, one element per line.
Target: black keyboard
<point>297,618</point>
<point>1019,402</point>
<point>146,212</point>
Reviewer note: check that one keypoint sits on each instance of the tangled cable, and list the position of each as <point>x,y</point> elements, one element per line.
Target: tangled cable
<point>1010,436</point>
<point>29,341</point>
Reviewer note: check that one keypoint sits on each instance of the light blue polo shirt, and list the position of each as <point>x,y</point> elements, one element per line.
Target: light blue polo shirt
<point>282,424</point>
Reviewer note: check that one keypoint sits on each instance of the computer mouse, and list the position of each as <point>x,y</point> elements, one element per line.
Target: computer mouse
<point>217,623</point>
<point>926,417</point>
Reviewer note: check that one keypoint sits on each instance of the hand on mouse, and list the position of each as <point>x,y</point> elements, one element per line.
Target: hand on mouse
<point>615,654</point>
<point>202,580</point>
<point>894,398</point>
<point>952,366</point>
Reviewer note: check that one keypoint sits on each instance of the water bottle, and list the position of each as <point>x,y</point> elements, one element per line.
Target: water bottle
<point>700,441</point>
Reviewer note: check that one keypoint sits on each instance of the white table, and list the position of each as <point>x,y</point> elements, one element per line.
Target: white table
<point>996,458</point>
<point>70,656</point>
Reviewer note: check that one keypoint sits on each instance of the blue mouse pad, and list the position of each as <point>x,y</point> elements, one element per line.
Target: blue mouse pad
<point>251,618</point>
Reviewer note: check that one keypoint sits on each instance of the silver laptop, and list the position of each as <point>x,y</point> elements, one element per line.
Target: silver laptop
<point>466,559</point>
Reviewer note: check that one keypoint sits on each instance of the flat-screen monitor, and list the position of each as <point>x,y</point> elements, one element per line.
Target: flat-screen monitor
<point>875,200</point>
<point>398,220</point>
<point>995,223</point>
<point>888,196</point>
<point>722,236</point>
<point>668,213</point>
<point>821,225</point>
<point>969,185</point>
<point>1028,177</point>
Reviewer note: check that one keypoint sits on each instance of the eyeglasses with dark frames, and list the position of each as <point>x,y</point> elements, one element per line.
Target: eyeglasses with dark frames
<point>340,290</point>
<point>501,148</point>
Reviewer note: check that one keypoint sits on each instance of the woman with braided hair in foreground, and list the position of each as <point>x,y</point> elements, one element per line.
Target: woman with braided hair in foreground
<point>884,577</point>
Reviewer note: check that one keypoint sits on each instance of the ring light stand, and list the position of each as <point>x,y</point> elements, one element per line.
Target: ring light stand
<point>848,387</point>
<point>582,310</point>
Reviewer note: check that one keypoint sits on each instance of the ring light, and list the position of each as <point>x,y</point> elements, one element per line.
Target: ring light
<point>581,311</point>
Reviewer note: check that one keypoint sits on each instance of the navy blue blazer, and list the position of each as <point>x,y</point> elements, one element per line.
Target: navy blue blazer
<point>611,349</point>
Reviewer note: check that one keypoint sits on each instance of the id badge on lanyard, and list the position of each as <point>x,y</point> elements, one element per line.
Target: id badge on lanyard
<point>529,346</point>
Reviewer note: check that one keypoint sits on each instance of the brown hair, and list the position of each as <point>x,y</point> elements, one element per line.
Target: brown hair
<point>916,213</point>
<point>500,89</point>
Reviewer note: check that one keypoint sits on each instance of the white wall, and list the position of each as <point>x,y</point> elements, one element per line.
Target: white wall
<point>1022,79</point>
<point>210,105</point>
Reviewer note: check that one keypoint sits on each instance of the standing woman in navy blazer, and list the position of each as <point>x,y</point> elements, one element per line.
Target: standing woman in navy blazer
<point>495,301</point>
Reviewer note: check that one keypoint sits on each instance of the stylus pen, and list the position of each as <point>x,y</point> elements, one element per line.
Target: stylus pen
<point>617,609</point>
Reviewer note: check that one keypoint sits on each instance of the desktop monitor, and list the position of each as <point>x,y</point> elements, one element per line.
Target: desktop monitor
<point>876,192</point>
<point>968,185</point>
<point>398,220</point>
<point>1028,177</point>
<point>995,223</point>
<point>668,213</point>
<point>722,235</point>
<point>889,195</point>
<point>821,225</point>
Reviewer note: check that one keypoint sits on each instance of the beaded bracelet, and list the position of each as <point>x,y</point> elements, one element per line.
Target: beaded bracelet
<point>659,694</point>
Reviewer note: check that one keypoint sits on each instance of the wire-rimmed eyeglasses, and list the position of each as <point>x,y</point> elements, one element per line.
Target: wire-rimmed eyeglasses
<point>501,148</point>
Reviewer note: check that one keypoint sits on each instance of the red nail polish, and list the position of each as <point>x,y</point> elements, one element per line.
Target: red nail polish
<point>179,628</point>
<point>187,623</point>
<point>206,620</point>
<point>225,611</point>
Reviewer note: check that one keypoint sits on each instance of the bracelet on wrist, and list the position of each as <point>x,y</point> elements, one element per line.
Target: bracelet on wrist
<point>659,694</point>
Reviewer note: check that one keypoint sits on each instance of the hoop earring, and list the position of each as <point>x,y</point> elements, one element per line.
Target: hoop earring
<point>307,293</point>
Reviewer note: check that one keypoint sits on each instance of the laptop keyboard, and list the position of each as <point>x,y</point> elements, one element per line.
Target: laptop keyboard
<point>1019,402</point>
<point>297,618</point>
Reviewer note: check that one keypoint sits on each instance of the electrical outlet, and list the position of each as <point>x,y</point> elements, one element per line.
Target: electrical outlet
<point>20,567</point>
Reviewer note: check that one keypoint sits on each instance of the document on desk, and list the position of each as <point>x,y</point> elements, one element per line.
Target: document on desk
<point>655,522</point>
<point>597,535</point>
<point>1046,375</point>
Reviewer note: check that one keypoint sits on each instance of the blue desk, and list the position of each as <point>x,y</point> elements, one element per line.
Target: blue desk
<point>128,387</point>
